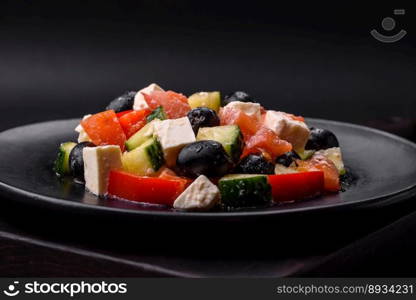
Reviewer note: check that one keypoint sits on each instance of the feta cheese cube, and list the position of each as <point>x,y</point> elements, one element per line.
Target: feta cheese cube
<point>79,128</point>
<point>83,136</point>
<point>249,108</point>
<point>98,162</point>
<point>202,194</point>
<point>173,135</point>
<point>293,131</point>
<point>139,101</point>
<point>281,169</point>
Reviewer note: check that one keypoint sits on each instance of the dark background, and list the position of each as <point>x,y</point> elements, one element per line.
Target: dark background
<point>61,59</point>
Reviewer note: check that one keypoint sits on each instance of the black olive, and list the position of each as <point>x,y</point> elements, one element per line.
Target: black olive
<point>237,96</point>
<point>287,159</point>
<point>123,102</point>
<point>203,117</point>
<point>255,164</point>
<point>203,158</point>
<point>76,160</point>
<point>321,139</point>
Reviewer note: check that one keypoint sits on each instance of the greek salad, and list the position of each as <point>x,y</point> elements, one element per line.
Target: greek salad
<point>200,152</point>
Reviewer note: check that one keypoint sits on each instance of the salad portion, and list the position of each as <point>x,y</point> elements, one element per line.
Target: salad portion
<point>200,152</point>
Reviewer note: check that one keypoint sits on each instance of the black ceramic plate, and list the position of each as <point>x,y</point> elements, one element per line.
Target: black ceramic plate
<point>384,166</point>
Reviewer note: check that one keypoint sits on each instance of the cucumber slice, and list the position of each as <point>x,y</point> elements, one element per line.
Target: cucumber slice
<point>229,136</point>
<point>158,113</point>
<point>211,100</point>
<point>245,190</point>
<point>145,159</point>
<point>334,155</point>
<point>61,165</point>
<point>141,136</point>
<point>305,154</point>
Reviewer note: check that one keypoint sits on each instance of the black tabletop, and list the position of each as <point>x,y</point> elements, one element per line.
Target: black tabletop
<point>64,62</point>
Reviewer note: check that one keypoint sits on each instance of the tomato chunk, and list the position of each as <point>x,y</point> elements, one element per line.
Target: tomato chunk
<point>168,174</point>
<point>321,163</point>
<point>120,114</point>
<point>296,118</point>
<point>175,104</point>
<point>266,141</point>
<point>143,189</point>
<point>248,124</point>
<point>296,186</point>
<point>104,129</point>
<point>133,121</point>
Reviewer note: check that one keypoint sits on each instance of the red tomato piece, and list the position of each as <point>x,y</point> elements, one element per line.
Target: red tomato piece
<point>321,163</point>
<point>133,121</point>
<point>168,174</point>
<point>296,118</point>
<point>248,124</point>
<point>175,104</point>
<point>143,189</point>
<point>266,140</point>
<point>104,129</point>
<point>120,114</point>
<point>296,186</point>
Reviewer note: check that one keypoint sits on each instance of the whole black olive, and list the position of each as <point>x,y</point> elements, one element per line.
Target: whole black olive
<point>254,164</point>
<point>237,96</point>
<point>203,117</point>
<point>203,158</point>
<point>76,160</point>
<point>321,139</point>
<point>287,159</point>
<point>123,102</point>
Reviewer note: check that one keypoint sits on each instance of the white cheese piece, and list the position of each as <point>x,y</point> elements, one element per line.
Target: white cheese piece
<point>281,169</point>
<point>139,101</point>
<point>334,155</point>
<point>79,128</point>
<point>293,131</point>
<point>249,108</point>
<point>173,135</point>
<point>202,194</point>
<point>98,162</point>
<point>83,136</point>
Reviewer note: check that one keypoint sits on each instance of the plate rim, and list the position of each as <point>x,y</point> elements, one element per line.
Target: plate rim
<point>18,193</point>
